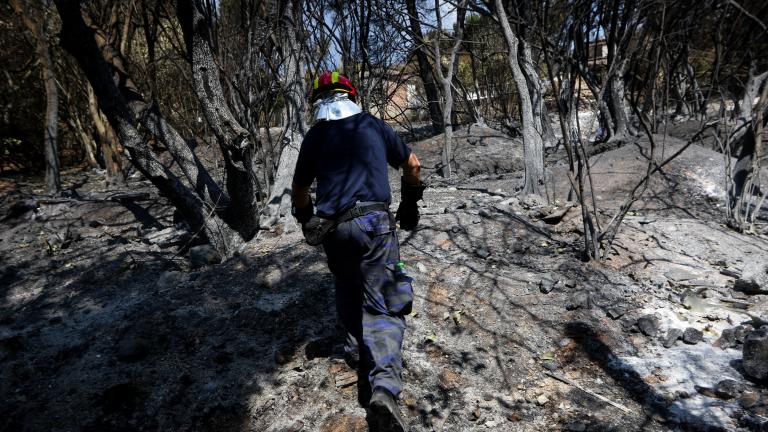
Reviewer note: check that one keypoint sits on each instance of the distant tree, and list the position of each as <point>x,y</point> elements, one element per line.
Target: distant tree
<point>33,14</point>
<point>426,71</point>
<point>531,96</point>
<point>446,79</point>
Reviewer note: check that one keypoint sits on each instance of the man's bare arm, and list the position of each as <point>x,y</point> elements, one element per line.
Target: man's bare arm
<point>411,170</point>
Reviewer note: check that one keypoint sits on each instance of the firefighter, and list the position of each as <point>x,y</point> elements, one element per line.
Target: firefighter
<point>347,151</point>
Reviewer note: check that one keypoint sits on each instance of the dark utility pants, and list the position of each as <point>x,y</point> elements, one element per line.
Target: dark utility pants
<point>372,296</point>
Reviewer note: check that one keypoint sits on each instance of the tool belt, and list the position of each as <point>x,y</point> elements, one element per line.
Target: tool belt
<point>318,228</point>
<point>362,209</point>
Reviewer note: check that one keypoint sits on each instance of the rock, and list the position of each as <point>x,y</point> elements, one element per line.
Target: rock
<point>203,255</point>
<point>482,252</point>
<point>673,335</point>
<point>556,215</point>
<point>706,391</point>
<point>679,274</point>
<point>616,312</point>
<point>577,301</point>
<point>547,284</point>
<point>550,366</point>
<point>734,336</point>
<point>692,336</point>
<point>532,200</point>
<point>753,279</point>
<point>749,399</point>
<point>648,325</point>
<point>542,400</point>
<point>728,389</point>
<point>755,353</point>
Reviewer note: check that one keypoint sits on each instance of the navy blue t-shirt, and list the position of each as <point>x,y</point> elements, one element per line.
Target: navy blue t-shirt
<point>349,158</point>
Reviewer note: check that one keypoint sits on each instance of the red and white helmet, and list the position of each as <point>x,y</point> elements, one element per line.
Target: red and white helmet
<point>332,82</point>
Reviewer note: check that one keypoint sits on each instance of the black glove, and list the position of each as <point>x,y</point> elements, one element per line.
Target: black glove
<point>304,214</point>
<point>411,193</point>
<point>408,215</point>
<point>408,211</point>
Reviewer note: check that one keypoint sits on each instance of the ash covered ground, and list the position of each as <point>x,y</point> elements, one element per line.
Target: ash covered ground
<point>107,324</point>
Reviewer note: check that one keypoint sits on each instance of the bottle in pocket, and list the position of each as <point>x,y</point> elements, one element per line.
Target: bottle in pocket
<point>400,297</point>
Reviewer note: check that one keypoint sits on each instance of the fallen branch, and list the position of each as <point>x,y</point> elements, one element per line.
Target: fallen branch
<point>116,197</point>
<point>129,196</point>
<point>589,392</point>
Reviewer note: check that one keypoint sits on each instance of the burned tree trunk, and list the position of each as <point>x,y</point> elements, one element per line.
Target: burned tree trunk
<point>445,80</point>
<point>52,178</point>
<point>533,144</point>
<point>425,69</point>
<point>617,103</point>
<point>110,144</point>
<point>279,203</point>
<point>208,210</point>
<point>234,140</point>
<point>745,111</point>
<point>746,193</point>
<point>33,17</point>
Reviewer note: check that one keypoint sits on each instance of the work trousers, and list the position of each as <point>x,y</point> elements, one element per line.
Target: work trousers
<point>372,294</point>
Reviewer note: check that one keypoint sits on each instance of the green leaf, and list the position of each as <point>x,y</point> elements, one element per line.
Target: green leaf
<point>549,355</point>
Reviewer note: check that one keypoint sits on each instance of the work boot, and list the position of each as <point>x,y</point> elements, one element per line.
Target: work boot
<point>351,351</point>
<point>385,413</point>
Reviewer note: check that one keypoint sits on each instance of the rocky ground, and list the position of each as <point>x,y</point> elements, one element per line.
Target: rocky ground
<point>110,323</point>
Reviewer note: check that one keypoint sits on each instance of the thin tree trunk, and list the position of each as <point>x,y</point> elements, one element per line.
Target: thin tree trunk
<point>113,160</point>
<point>745,108</point>
<point>52,178</point>
<point>279,203</point>
<point>750,145</point>
<point>533,145</point>
<point>425,69</point>
<point>536,91</point>
<point>34,19</point>
<point>446,79</point>
<point>85,138</point>
<point>617,104</point>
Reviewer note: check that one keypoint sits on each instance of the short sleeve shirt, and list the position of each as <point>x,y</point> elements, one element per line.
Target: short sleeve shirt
<point>349,158</point>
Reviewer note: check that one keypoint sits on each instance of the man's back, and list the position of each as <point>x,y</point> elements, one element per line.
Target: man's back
<point>349,158</point>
